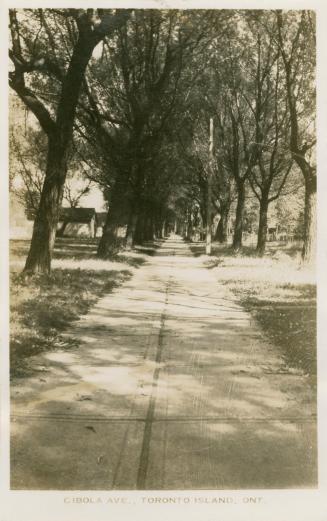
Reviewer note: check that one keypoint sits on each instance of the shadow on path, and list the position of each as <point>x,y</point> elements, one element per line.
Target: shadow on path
<point>173,387</point>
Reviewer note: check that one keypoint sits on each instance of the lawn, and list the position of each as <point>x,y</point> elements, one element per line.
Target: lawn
<point>42,307</point>
<point>279,293</point>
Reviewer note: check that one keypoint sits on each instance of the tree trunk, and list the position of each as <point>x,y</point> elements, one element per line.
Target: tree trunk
<point>238,230</point>
<point>112,241</point>
<point>158,227</point>
<point>163,230</point>
<point>46,219</point>
<point>146,232</point>
<point>150,229</point>
<point>61,230</point>
<point>221,231</point>
<point>310,222</point>
<point>139,229</point>
<point>298,152</point>
<point>263,225</point>
<point>131,229</point>
<point>209,192</point>
<point>133,220</point>
<point>189,231</point>
<point>59,129</point>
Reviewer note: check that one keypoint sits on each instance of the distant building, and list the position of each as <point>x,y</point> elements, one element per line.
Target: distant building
<point>101,220</point>
<point>272,233</point>
<point>284,233</point>
<point>77,222</point>
<point>73,222</point>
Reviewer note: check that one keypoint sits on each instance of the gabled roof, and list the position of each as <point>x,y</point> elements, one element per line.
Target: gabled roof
<point>77,215</point>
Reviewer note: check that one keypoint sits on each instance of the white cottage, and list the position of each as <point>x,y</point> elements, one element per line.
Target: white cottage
<point>77,222</point>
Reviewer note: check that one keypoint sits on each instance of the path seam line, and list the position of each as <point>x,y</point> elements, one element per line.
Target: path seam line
<point>145,450</point>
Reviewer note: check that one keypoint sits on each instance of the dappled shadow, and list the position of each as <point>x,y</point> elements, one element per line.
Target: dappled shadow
<point>72,248</point>
<point>273,250</point>
<point>165,248</point>
<point>129,260</point>
<point>217,249</point>
<point>75,248</point>
<point>43,306</point>
<point>292,249</point>
<point>279,293</point>
<point>79,248</point>
<point>50,305</point>
<point>225,412</point>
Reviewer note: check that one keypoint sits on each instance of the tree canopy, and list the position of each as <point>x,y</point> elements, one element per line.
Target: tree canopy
<point>126,97</point>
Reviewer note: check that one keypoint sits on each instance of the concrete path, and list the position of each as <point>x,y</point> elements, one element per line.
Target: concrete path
<point>174,386</point>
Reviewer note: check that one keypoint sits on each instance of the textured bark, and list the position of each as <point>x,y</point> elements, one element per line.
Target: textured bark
<point>45,224</point>
<point>310,205</point>
<point>139,232</point>
<point>149,229</point>
<point>163,230</point>
<point>299,149</point>
<point>221,230</point>
<point>238,231</point>
<point>310,223</point>
<point>189,231</point>
<point>139,229</point>
<point>131,230</point>
<point>60,129</point>
<point>158,230</point>
<point>263,225</point>
<point>112,241</point>
<point>47,216</point>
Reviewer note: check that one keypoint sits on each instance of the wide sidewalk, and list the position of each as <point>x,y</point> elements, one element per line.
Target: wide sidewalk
<point>173,386</point>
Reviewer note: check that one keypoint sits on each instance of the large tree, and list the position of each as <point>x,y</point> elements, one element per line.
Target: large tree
<point>50,51</point>
<point>270,119</point>
<point>231,86</point>
<point>130,110</point>
<point>296,40</point>
<point>127,112</point>
<point>234,153</point>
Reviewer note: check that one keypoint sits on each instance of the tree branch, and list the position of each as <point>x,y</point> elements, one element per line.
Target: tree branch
<point>33,103</point>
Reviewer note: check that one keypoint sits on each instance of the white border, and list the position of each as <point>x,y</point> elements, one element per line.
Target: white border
<point>286,505</point>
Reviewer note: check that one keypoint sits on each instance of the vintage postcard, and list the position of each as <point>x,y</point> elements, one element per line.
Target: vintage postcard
<point>163,280</point>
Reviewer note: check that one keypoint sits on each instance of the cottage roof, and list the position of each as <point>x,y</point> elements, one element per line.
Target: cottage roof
<point>77,215</point>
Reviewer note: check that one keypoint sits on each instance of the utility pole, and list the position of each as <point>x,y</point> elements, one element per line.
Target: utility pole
<point>209,179</point>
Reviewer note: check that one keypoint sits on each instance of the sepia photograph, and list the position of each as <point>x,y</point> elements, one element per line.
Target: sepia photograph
<point>162,249</point>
